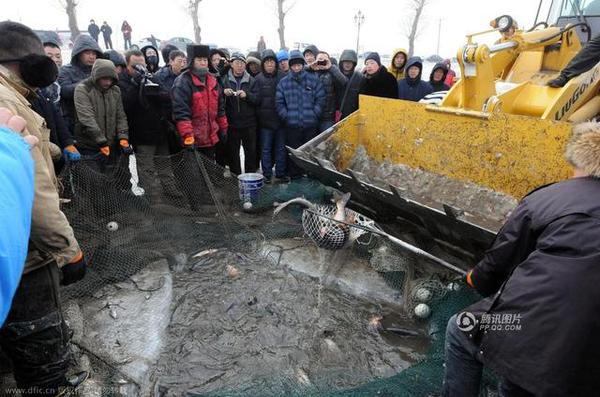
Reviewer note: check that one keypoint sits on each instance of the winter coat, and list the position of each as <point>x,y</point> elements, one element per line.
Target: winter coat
<point>101,120</point>
<point>348,102</point>
<point>381,84</point>
<point>241,113</point>
<point>59,133</point>
<point>413,89</point>
<point>51,238</point>
<point>439,85</point>
<point>143,108</point>
<point>93,30</point>
<point>300,100</point>
<point>543,268</point>
<point>199,108</point>
<point>265,90</point>
<point>126,30</point>
<point>334,83</point>
<point>106,31</point>
<point>72,74</point>
<point>166,79</point>
<point>398,73</point>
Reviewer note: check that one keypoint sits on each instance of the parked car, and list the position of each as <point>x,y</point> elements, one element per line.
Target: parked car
<point>153,41</point>
<point>180,42</point>
<point>49,35</point>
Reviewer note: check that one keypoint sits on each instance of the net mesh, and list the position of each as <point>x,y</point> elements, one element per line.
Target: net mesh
<point>192,291</point>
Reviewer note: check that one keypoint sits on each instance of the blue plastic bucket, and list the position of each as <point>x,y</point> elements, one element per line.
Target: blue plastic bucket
<point>250,185</point>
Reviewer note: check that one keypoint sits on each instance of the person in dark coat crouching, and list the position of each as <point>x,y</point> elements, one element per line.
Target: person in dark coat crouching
<point>378,81</point>
<point>538,326</point>
<point>412,88</point>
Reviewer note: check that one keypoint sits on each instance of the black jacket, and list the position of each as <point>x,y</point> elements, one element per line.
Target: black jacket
<point>334,83</point>
<point>59,134</point>
<point>143,108</point>
<point>74,73</point>
<point>544,267</point>
<point>241,113</point>
<point>265,90</point>
<point>381,84</point>
<point>439,85</point>
<point>348,102</point>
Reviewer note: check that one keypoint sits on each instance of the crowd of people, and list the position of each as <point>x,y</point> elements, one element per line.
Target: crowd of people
<point>260,102</point>
<point>213,103</point>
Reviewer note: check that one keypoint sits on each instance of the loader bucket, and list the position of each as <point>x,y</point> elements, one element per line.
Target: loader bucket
<point>453,174</point>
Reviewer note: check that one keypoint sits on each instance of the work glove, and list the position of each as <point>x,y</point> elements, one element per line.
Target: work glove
<point>222,134</point>
<point>74,270</point>
<point>125,146</point>
<point>105,150</point>
<point>188,142</point>
<point>71,153</point>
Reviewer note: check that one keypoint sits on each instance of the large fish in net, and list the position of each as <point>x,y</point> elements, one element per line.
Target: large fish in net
<point>329,226</point>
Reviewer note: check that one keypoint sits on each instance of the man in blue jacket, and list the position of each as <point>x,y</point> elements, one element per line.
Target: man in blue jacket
<point>412,88</point>
<point>300,100</point>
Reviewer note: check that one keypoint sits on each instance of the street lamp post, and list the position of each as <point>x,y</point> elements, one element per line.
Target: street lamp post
<point>359,19</point>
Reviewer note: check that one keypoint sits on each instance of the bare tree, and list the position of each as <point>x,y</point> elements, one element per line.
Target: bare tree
<point>193,11</point>
<point>413,24</point>
<point>283,7</point>
<point>70,6</point>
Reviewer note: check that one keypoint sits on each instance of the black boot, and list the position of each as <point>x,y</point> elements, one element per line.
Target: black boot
<point>558,82</point>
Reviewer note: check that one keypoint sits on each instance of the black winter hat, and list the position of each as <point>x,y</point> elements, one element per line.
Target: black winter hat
<point>268,54</point>
<point>197,51</point>
<point>296,57</point>
<point>254,54</point>
<point>375,57</point>
<point>311,48</point>
<point>115,57</point>
<point>166,51</point>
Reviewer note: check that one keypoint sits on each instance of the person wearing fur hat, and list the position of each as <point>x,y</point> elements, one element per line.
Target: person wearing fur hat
<point>196,92</point>
<point>377,80</point>
<point>253,65</point>
<point>540,278</point>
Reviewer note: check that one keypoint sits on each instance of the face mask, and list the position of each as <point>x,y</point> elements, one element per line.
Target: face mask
<point>36,70</point>
<point>153,59</point>
<point>201,72</point>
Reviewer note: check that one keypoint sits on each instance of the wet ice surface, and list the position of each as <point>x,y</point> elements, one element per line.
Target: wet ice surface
<point>269,331</point>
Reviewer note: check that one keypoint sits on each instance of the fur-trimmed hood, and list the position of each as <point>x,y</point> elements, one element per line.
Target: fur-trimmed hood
<point>583,149</point>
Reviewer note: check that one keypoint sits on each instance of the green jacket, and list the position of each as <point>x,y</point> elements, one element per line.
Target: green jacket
<point>100,117</point>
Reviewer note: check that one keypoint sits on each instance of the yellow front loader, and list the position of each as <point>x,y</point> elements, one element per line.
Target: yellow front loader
<point>454,171</point>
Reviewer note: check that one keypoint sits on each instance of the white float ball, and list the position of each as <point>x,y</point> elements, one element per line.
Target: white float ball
<point>423,295</point>
<point>247,205</point>
<point>422,310</point>
<point>112,226</point>
<point>453,287</point>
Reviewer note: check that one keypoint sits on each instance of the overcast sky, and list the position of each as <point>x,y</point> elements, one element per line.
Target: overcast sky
<point>327,23</point>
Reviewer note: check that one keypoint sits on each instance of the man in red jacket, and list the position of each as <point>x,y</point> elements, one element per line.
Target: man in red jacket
<point>199,105</point>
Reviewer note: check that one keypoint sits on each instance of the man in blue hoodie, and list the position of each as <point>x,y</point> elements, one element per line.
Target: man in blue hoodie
<point>412,88</point>
<point>300,100</point>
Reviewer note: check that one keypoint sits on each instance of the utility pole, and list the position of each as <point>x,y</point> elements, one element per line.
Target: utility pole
<point>359,19</point>
<point>439,36</point>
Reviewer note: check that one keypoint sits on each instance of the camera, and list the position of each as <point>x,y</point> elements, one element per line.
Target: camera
<point>150,87</point>
<point>322,63</point>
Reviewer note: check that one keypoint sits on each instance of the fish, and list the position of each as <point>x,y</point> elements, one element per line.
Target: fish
<point>297,200</point>
<point>205,253</point>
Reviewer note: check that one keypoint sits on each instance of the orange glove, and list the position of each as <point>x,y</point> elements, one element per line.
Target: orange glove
<point>71,153</point>
<point>189,141</point>
<point>124,143</point>
<point>105,150</point>
<point>125,146</point>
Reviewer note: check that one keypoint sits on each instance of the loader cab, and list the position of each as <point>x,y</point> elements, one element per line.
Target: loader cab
<point>564,12</point>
